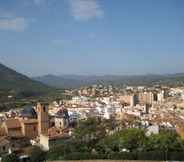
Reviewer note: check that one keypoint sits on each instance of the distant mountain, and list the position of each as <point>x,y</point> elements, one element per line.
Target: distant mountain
<point>14,81</point>
<point>75,81</point>
<point>61,81</point>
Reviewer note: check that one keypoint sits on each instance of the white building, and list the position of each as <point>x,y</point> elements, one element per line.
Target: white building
<point>153,129</point>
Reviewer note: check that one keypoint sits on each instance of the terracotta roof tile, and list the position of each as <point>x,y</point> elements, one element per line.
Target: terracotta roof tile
<point>12,123</point>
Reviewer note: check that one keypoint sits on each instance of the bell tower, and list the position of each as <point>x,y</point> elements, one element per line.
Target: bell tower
<point>43,119</point>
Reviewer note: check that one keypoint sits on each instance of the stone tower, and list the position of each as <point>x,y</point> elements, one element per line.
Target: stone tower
<point>43,119</point>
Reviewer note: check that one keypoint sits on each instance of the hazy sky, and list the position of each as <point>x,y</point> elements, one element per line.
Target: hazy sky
<point>92,36</point>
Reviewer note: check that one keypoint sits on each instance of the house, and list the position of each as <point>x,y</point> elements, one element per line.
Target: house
<point>29,128</point>
<point>4,145</point>
<point>48,141</point>
<point>11,144</point>
<point>153,129</point>
<point>62,119</point>
<point>29,122</point>
<point>12,127</point>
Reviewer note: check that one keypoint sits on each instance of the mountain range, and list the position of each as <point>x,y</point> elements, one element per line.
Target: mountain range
<point>14,81</point>
<point>76,81</point>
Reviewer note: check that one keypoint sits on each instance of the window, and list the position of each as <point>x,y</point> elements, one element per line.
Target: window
<point>4,148</point>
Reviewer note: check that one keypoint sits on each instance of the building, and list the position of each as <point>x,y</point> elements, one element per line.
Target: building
<point>62,119</point>
<point>4,145</point>
<point>128,99</point>
<point>48,141</point>
<point>12,128</point>
<point>153,129</point>
<point>29,122</point>
<point>145,98</point>
<point>43,119</point>
<point>30,128</point>
<point>160,96</point>
<point>49,137</point>
<point>133,100</point>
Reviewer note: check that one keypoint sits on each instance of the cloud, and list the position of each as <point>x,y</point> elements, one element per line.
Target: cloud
<point>10,22</point>
<point>85,9</point>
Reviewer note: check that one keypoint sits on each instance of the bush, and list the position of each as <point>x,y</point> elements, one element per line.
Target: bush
<point>37,155</point>
<point>151,155</point>
<point>175,156</point>
<point>122,156</point>
<point>109,147</point>
<point>78,156</point>
<point>10,158</point>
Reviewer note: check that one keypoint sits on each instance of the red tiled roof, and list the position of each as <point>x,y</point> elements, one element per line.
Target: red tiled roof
<point>12,123</point>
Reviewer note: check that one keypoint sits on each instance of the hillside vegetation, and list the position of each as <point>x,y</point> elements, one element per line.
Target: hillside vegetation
<point>16,82</point>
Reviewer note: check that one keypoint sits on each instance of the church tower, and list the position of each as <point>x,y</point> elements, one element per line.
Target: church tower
<point>43,119</point>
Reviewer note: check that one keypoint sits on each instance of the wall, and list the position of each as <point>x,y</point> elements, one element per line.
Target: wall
<point>44,142</point>
<point>30,130</point>
<point>105,161</point>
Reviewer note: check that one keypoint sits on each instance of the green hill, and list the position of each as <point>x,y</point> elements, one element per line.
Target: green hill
<point>15,82</point>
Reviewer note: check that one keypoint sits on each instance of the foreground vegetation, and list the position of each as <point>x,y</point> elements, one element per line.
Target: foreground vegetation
<point>92,142</point>
<point>35,155</point>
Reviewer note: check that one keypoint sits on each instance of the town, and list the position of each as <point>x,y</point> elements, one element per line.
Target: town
<point>46,125</point>
<point>91,80</point>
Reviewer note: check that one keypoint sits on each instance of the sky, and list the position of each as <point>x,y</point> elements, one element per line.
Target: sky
<point>92,37</point>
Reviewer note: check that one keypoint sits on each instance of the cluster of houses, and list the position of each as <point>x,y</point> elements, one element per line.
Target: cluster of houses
<point>33,126</point>
<point>46,125</point>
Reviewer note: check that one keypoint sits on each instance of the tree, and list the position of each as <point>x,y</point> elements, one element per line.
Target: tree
<point>128,139</point>
<point>37,155</point>
<point>108,145</point>
<point>66,148</point>
<point>132,139</point>
<point>90,130</point>
<point>164,141</point>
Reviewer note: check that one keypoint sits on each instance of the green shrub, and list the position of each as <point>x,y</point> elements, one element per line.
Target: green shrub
<point>10,158</point>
